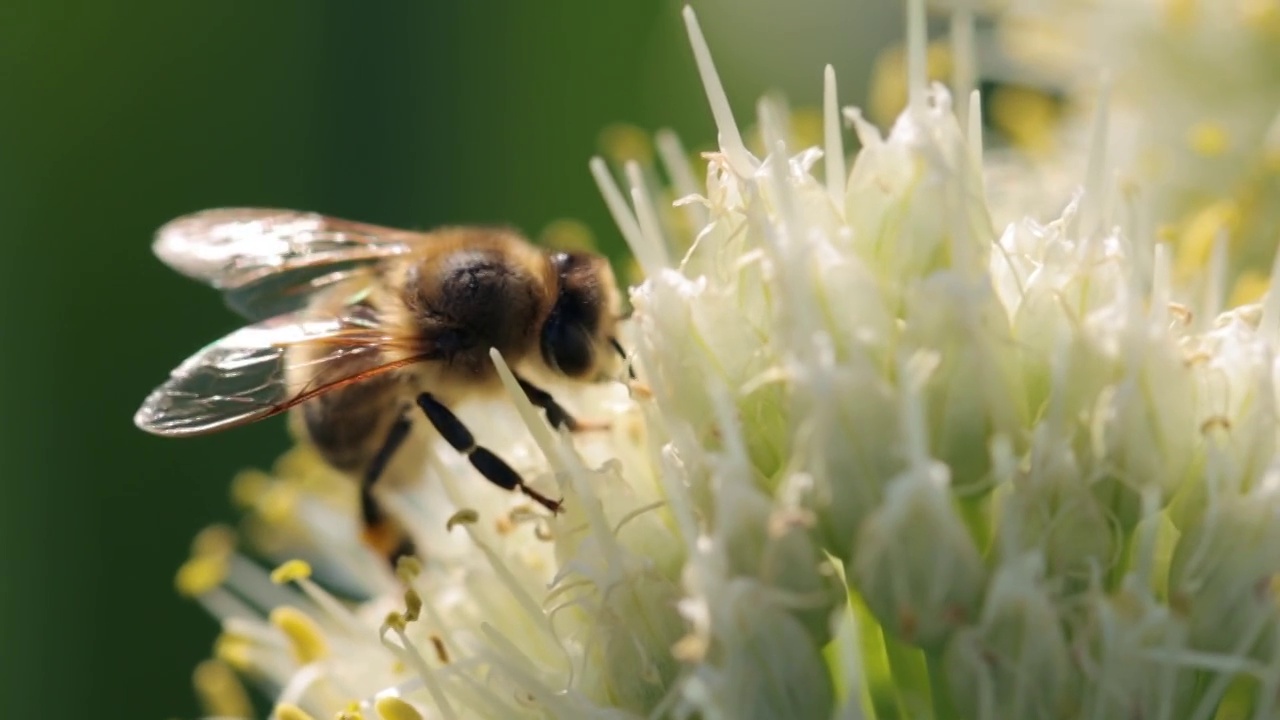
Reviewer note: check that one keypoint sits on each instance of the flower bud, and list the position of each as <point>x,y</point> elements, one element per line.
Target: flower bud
<point>915,563</point>
<point>1014,662</point>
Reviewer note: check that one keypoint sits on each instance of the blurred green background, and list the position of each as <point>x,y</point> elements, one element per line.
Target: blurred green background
<point>115,117</point>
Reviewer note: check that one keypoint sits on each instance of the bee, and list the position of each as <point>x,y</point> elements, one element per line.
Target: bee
<point>359,330</point>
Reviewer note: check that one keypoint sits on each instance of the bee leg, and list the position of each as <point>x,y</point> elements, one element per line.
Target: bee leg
<point>494,468</point>
<point>380,531</point>
<point>556,414</point>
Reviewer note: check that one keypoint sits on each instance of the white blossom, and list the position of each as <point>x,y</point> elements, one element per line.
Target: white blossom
<point>892,458</point>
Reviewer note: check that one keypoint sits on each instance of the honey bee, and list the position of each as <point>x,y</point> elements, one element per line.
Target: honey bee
<point>358,328</point>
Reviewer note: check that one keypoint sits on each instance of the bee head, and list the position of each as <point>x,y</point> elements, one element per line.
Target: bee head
<point>577,338</point>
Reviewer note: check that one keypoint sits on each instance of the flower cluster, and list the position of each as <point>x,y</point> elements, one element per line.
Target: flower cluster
<point>1196,112</point>
<point>892,459</point>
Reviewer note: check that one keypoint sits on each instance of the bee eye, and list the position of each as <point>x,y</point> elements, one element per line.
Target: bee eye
<point>567,347</point>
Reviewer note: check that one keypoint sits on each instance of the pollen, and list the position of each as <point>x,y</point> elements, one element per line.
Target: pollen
<point>305,637</point>
<point>201,574</point>
<point>569,235</point>
<point>351,713</point>
<point>220,690</point>
<point>1201,232</point>
<point>234,650</point>
<point>214,540</point>
<point>249,487</point>
<point>1180,14</point>
<point>393,708</point>
<point>1208,139</point>
<point>466,516</point>
<point>289,711</point>
<point>408,568</point>
<point>291,571</point>
<point>623,143</point>
<point>1263,16</point>
<point>395,621</point>
<point>1250,288</point>
<point>889,79</point>
<point>1027,116</point>
<point>412,605</point>
<point>277,504</point>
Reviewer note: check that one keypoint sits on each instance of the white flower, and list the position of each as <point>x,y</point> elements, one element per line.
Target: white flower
<point>894,459</point>
<point>1195,87</point>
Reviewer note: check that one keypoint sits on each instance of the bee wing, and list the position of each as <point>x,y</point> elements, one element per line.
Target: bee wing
<point>249,374</point>
<point>288,292</point>
<point>269,261</point>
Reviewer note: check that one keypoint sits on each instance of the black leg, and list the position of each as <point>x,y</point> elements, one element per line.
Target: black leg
<point>492,467</point>
<point>556,414</point>
<point>622,353</point>
<point>380,531</point>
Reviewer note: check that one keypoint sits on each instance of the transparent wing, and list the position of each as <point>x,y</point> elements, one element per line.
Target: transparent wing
<point>289,292</point>
<point>254,373</point>
<point>268,260</point>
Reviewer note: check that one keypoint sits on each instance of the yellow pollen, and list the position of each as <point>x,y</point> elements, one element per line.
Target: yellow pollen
<point>351,713</point>
<point>569,235</point>
<point>504,525</point>
<point>1180,14</point>
<point>1263,16</point>
<point>1202,231</point>
<point>289,711</point>
<point>201,574</point>
<point>632,271</point>
<point>214,540</point>
<point>466,516</point>
<point>888,94</point>
<point>249,487</point>
<point>393,708</point>
<point>291,571</point>
<point>442,652</point>
<point>277,504</point>
<point>412,604</point>
<point>302,465</point>
<point>394,621</point>
<point>806,127</point>
<point>220,690</point>
<point>305,636</point>
<point>1208,139</point>
<point>408,567</point>
<point>234,650</point>
<point>1250,288</point>
<point>622,143</point>
<point>1027,116</point>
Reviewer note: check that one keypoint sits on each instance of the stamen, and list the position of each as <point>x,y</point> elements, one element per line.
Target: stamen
<point>393,708</point>
<point>964,58</point>
<point>306,639</point>
<point>730,138</point>
<point>623,217</point>
<point>834,152</point>
<point>220,690</point>
<point>650,227</point>
<point>676,161</point>
<point>286,711</point>
<point>917,51</point>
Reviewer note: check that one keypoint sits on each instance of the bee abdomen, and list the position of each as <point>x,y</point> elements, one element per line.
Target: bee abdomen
<point>347,426</point>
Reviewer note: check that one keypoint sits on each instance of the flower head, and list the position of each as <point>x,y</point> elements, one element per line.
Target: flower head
<point>890,456</point>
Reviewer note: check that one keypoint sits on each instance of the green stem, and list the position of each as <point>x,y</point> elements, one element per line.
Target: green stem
<point>910,678</point>
<point>943,708</point>
<point>976,514</point>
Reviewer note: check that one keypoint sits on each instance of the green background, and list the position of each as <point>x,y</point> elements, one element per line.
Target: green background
<point>115,117</point>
